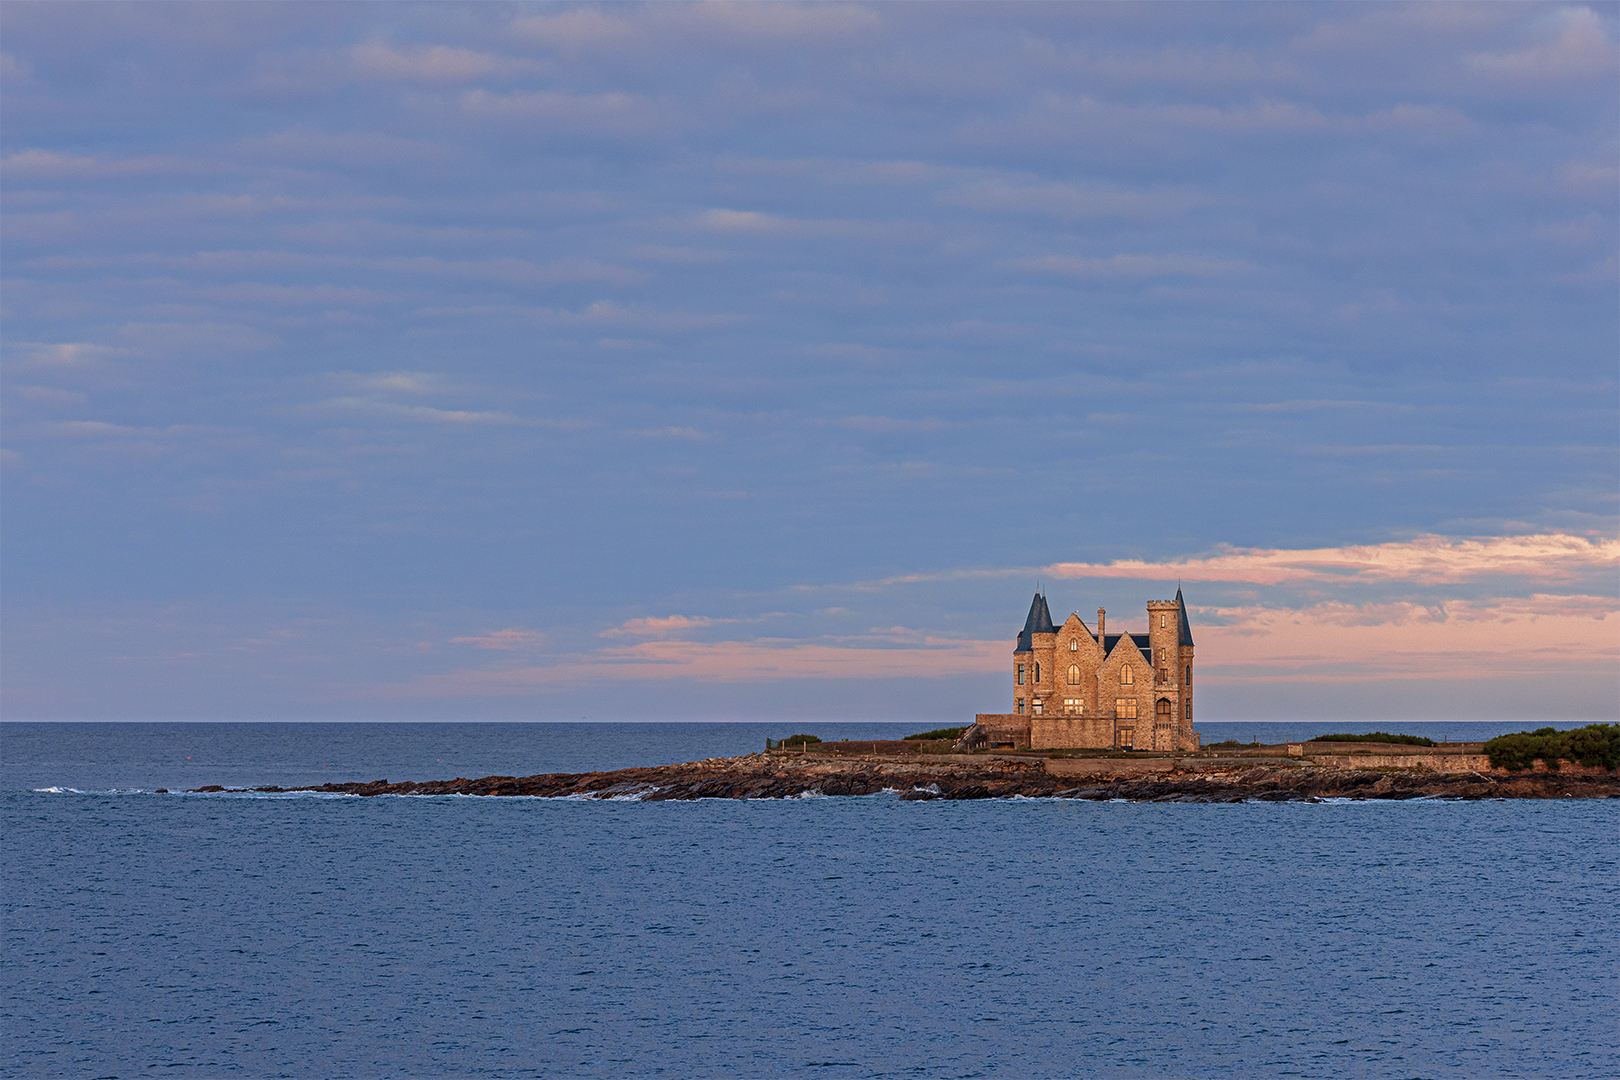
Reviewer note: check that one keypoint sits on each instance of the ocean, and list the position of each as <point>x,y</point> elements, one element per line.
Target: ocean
<point>313,936</point>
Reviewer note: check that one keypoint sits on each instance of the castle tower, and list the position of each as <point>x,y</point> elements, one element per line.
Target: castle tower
<point>1185,655</point>
<point>1164,651</point>
<point>1033,660</point>
<point>1170,637</point>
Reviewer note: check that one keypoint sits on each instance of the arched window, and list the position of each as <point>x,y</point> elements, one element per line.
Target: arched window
<point>1126,677</point>
<point>1161,711</point>
<point>1074,674</point>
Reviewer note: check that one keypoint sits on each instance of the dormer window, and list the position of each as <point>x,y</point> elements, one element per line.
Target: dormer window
<point>1126,676</point>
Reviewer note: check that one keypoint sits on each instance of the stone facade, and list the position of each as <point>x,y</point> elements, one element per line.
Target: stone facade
<point>1078,689</point>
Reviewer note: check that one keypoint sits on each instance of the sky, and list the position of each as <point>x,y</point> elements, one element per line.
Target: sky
<point>757,361</point>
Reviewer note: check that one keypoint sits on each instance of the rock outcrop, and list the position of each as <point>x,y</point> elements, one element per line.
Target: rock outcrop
<point>768,776</point>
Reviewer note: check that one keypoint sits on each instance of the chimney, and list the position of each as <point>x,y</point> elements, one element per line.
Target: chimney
<point>1100,643</point>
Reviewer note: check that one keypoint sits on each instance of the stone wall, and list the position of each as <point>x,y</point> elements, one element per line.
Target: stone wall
<point>1071,732</point>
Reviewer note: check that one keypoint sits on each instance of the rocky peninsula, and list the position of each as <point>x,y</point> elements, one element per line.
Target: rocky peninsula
<point>921,776</point>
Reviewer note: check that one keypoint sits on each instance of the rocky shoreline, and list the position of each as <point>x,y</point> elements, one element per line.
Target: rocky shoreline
<point>768,776</point>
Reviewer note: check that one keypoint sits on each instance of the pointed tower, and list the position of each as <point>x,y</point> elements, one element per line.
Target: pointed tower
<point>1032,659</point>
<point>1171,640</point>
<point>1185,655</point>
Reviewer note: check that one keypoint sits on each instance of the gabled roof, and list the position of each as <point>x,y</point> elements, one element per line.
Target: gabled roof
<point>1186,627</point>
<point>1144,644</point>
<point>1039,622</point>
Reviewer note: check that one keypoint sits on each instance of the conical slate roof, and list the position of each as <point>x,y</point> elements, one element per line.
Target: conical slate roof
<point>1039,622</point>
<point>1186,627</point>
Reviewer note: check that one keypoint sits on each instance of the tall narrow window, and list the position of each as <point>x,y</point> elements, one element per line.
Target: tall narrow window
<point>1020,705</point>
<point>1126,676</point>
<point>1189,674</point>
<point>1020,674</point>
<point>1074,674</point>
<point>1164,621</point>
<point>1189,710</point>
<point>1074,646</point>
<point>1037,672</point>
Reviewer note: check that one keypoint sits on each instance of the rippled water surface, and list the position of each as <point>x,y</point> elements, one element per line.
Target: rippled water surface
<point>200,936</point>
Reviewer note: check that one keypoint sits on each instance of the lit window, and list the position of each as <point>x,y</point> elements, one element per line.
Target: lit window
<point>1074,674</point>
<point>1035,706</point>
<point>1020,674</point>
<point>1161,711</point>
<point>1126,676</point>
<point>1163,621</point>
<point>1127,737</point>
<point>1125,708</point>
<point>1074,706</point>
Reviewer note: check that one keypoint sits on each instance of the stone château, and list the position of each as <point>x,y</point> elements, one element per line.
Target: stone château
<point>1075,689</point>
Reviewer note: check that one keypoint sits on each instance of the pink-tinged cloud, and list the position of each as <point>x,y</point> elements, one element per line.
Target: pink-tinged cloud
<point>1428,560</point>
<point>1537,635</point>
<point>506,640</point>
<point>661,627</point>
<point>765,660</point>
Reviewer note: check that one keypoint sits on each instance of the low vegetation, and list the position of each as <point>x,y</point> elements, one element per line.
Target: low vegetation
<point>1227,744</point>
<point>952,733</point>
<point>1376,736</point>
<point>1594,744</point>
<point>799,740</point>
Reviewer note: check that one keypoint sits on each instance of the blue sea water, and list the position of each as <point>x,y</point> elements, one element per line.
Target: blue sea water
<point>308,936</point>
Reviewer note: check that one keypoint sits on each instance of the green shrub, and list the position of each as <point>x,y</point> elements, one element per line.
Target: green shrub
<point>1594,744</point>
<point>799,740</point>
<point>1376,736</point>
<point>951,733</point>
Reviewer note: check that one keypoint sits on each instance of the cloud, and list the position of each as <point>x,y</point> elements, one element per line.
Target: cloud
<point>34,164</point>
<point>390,410</point>
<point>1133,267</point>
<point>688,434</point>
<point>1580,49</point>
<point>438,63</point>
<point>513,640</point>
<point>616,114</point>
<point>765,660</point>
<point>755,223</point>
<point>1333,642</point>
<point>661,626</point>
<point>1072,202</point>
<point>1428,560</point>
<point>700,27</point>
<point>505,268</point>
